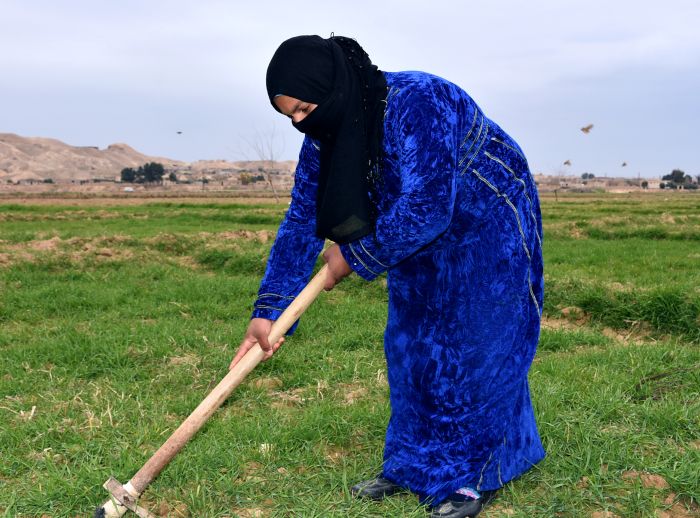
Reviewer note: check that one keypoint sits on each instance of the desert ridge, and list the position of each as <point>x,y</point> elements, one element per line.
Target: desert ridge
<point>29,160</point>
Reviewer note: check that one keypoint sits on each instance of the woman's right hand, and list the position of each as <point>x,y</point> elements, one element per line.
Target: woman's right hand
<point>257,333</point>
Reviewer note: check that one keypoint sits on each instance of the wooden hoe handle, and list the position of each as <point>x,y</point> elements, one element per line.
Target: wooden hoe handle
<point>125,499</point>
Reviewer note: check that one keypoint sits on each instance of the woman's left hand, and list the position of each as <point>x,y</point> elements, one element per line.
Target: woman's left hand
<point>338,268</point>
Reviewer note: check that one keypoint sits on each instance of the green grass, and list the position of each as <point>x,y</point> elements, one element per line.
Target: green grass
<point>116,321</point>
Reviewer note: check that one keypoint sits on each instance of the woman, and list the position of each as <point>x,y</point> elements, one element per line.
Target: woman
<point>407,176</point>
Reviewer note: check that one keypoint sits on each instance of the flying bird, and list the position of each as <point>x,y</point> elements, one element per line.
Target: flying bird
<point>179,132</point>
<point>568,162</point>
<point>624,164</point>
<point>587,129</point>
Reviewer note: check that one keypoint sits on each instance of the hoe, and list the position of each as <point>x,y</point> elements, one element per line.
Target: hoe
<point>125,497</point>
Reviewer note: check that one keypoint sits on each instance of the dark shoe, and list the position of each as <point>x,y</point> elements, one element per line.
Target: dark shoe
<point>456,506</point>
<point>375,489</point>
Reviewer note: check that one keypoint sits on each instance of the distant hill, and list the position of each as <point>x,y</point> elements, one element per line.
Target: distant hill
<point>24,159</point>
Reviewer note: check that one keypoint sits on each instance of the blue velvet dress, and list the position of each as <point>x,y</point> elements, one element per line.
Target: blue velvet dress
<point>459,233</point>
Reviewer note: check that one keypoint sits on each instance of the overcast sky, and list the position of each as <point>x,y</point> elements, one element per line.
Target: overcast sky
<point>138,71</point>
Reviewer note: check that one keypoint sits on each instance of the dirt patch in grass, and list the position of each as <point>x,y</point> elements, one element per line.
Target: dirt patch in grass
<point>576,233</point>
<point>351,393</point>
<point>47,244</point>
<point>75,249</point>
<point>559,324</point>
<point>676,508</point>
<point>334,454</point>
<point>648,480</point>
<point>267,383</point>
<point>186,359</point>
<point>261,236</point>
<point>78,251</point>
<point>249,512</point>
<point>189,263</point>
<point>575,319</point>
<point>290,398</point>
<point>667,218</point>
<point>614,334</point>
<point>252,472</point>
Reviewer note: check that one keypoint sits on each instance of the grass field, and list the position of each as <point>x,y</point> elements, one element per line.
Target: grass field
<point>117,318</point>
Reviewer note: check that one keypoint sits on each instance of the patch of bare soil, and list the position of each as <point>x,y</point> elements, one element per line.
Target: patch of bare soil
<point>603,514</point>
<point>575,319</point>
<point>76,249</point>
<point>583,482</point>
<point>557,324</point>
<point>614,334</point>
<point>648,480</point>
<point>165,508</point>
<point>333,454</point>
<point>675,508</point>
<point>250,512</point>
<point>667,218</point>
<point>289,398</point>
<point>190,362</point>
<point>47,244</point>
<point>187,359</point>
<point>251,472</point>
<point>575,232</point>
<point>190,263</point>
<point>576,314</point>
<point>270,383</point>
<point>351,392</point>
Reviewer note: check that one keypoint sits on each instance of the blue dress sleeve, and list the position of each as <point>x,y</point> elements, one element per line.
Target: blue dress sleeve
<point>422,127</point>
<point>296,246</point>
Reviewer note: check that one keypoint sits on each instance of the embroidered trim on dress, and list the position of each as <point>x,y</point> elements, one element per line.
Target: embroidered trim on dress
<point>476,112</point>
<point>481,127</point>
<point>274,295</point>
<point>361,261</point>
<point>481,475</point>
<point>479,148</point>
<point>372,257</point>
<point>501,163</point>
<point>522,234</point>
<point>509,147</point>
<point>262,306</point>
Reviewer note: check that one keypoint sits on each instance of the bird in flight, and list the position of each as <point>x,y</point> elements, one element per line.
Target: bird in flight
<point>624,164</point>
<point>587,129</point>
<point>179,132</point>
<point>567,162</point>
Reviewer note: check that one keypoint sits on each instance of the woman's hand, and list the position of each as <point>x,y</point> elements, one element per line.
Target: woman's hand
<point>257,333</point>
<point>338,268</point>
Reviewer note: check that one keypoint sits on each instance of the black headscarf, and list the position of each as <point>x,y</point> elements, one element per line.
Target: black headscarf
<point>338,76</point>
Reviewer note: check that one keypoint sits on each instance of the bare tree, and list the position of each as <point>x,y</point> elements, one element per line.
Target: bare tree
<point>267,146</point>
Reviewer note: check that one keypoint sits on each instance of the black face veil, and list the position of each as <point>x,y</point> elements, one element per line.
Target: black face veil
<point>338,76</point>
